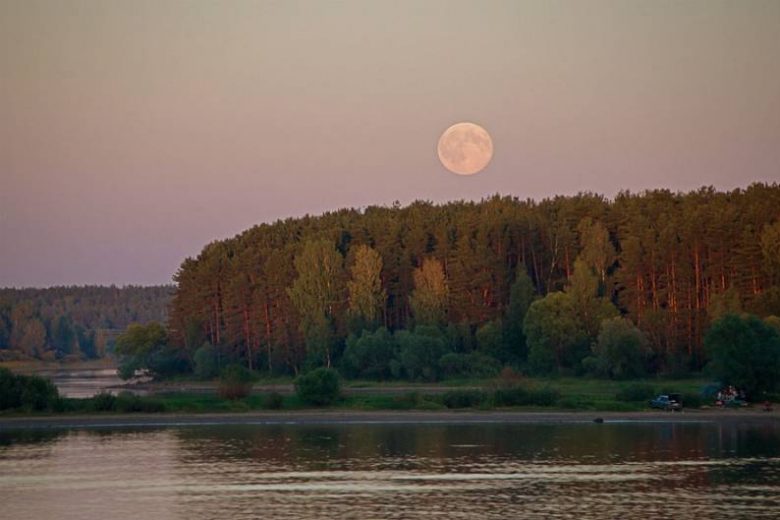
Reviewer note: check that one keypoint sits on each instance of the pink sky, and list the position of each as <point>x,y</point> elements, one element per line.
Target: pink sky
<point>133,133</point>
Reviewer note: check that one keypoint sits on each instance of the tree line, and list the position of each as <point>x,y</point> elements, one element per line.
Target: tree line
<point>568,284</point>
<point>74,322</point>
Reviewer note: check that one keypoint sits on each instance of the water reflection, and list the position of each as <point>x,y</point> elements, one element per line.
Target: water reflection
<point>395,471</point>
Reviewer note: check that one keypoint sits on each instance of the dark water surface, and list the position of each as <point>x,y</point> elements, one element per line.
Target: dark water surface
<point>479,471</point>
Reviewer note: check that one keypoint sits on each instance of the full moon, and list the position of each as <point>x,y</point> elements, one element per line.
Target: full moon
<point>465,148</point>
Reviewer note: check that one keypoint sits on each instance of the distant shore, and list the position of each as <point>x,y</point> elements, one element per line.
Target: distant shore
<point>341,417</point>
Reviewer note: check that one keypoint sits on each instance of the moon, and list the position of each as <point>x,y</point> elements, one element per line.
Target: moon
<point>465,148</point>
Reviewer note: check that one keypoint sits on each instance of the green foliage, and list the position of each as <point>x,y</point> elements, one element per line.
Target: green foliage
<point>463,398</point>
<point>644,253</point>
<point>407,401</point>
<point>129,403</point>
<point>371,355</point>
<point>273,401</point>
<point>26,392</point>
<point>235,382</point>
<point>555,338</point>
<point>474,364</point>
<point>589,307</point>
<point>620,350</point>
<point>74,322</point>
<point>521,295</point>
<point>206,362</point>
<point>420,352</point>
<point>104,402</point>
<point>490,340</point>
<point>316,292</point>
<point>692,400</point>
<point>125,403</point>
<point>145,347</point>
<point>635,393</point>
<point>460,338</point>
<point>598,253</point>
<point>319,387</point>
<point>744,352</point>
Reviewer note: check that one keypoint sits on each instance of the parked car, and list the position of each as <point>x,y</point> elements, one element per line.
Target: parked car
<point>668,402</point>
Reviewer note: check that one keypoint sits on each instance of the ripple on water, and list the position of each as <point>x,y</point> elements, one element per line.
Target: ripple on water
<point>391,472</point>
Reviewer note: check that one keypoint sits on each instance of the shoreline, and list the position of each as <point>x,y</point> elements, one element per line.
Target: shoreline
<point>355,417</point>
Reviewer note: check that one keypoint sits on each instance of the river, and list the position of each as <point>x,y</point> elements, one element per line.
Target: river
<point>476,471</point>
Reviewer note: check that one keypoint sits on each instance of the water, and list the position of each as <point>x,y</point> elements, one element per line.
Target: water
<point>87,382</point>
<point>478,471</point>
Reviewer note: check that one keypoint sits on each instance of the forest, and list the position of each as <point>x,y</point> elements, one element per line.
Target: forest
<point>74,322</point>
<point>570,284</point>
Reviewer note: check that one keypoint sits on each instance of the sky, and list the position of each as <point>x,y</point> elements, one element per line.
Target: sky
<point>132,133</point>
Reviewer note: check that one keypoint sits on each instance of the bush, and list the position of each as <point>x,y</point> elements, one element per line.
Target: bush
<point>420,352</point>
<point>406,401</point>
<point>273,401</point>
<point>235,382</point>
<point>370,355</point>
<point>132,403</point>
<point>205,359</point>
<point>510,396</point>
<point>104,402</point>
<point>635,393</point>
<point>319,387</point>
<point>10,390</point>
<point>620,352</point>
<point>690,400</point>
<point>38,393</point>
<point>31,392</point>
<point>543,397</point>
<point>475,364</point>
<point>463,398</point>
<point>744,351</point>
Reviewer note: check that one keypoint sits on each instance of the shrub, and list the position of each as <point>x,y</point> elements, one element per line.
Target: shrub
<point>205,359</point>
<point>744,351</point>
<point>319,387</point>
<point>463,398</point>
<point>32,392</point>
<point>235,382</point>
<point>104,402</point>
<point>273,401</point>
<point>10,390</point>
<point>510,396</point>
<point>691,400</point>
<point>132,403</point>
<point>406,401</point>
<point>475,364</point>
<point>370,355</point>
<point>543,397</point>
<point>620,352</point>
<point>38,393</point>
<point>420,351</point>
<point>635,392</point>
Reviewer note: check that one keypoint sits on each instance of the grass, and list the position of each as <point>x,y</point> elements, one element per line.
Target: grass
<point>599,394</point>
<point>569,393</point>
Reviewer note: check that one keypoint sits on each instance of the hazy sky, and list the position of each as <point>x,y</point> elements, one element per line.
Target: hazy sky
<point>134,132</point>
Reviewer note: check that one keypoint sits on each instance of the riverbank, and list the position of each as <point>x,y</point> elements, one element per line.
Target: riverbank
<point>336,417</point>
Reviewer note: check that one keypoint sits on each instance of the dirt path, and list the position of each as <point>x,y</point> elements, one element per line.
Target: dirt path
<point>336,417</point>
